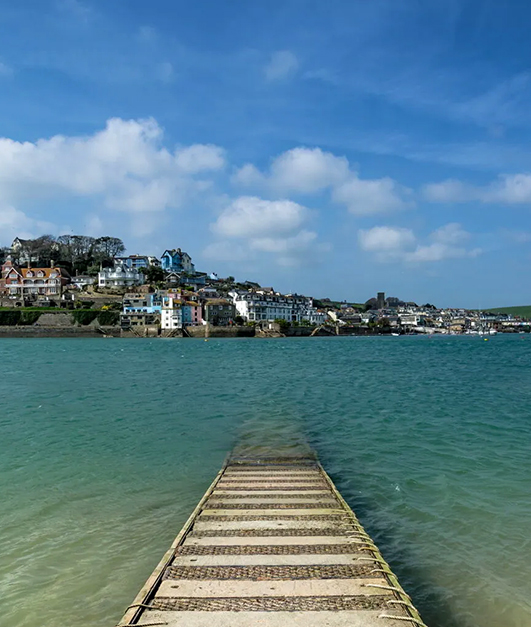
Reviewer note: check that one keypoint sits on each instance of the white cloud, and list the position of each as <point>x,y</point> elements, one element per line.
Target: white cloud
<point>273,227</point>
<point>391,244</point>
<point>123,167</point>
<point>451,234</point>
<point>311,170</point>
<point>448,191</point>
<point>368,197</point>
<point>307,170</point>
<point>282,65</point>
<point>248,176</point>
<point>510,189</point>
<point>249,216</point>
<point>15,223</point>
<point>200,158</point>
<point>386,239</point>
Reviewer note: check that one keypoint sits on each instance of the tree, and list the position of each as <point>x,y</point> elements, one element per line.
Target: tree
<point>4,252</point>
<point>153,274</point>
<point>108,247</point>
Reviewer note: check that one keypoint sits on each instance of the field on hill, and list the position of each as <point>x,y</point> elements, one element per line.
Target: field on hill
<point>524,311</point>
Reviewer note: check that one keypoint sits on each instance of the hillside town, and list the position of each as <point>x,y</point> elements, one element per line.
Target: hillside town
<point>166,295</point>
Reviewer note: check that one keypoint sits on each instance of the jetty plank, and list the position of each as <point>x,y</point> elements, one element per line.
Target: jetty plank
<point>272,543</point>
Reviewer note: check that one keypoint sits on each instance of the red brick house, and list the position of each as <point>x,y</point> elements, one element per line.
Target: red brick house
<point>32,283</point>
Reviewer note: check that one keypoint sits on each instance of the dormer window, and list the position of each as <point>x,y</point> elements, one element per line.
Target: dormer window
<point>29,274</point>
<point>53,275</point>
<point>40,273</point>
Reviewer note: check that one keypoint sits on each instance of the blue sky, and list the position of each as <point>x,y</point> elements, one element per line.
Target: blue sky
<point>337,148</point>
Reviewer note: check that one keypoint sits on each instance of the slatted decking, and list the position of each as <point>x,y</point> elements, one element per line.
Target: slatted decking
<point>273,544</point>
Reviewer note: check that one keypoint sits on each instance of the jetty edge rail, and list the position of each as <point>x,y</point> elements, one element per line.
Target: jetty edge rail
<point>272,543</point>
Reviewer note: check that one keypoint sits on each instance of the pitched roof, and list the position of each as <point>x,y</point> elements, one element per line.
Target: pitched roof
<point>47,272</point>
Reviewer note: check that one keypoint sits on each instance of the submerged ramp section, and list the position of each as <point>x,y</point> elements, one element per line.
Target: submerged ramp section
<point>272,543</point>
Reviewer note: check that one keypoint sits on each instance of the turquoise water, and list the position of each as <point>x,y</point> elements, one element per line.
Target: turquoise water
<point>107,445</point>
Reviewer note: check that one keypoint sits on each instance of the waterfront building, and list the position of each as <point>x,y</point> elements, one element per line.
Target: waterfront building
<point>143,303</point>
<point>219,312</point>
<point>257,305</point>
<point>32,283</point>
<point>192,313</point>
<point>119,276</point>
<point>176,260</point>
<point>171,316</point>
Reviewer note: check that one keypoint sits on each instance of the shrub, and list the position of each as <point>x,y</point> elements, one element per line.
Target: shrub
<point>9,318</point>
<point>29,317</point>
<point>84,316</point>
<point>283,324</point>
<point>108,318</point>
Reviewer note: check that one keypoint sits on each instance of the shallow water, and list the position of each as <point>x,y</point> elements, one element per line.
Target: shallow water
<point>106,446</point>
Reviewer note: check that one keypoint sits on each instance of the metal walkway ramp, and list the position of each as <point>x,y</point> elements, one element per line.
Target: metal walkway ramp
<point>272,543</point>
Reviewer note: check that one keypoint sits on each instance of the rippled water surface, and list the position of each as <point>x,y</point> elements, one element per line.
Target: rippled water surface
<point>106,446</point>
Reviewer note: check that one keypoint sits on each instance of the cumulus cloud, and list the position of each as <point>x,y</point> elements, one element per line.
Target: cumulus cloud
<point>391,244</point>
<point>249,216</point>
<point>307,170</point>
<point>386,239</point>
<point>282,65</point>
<point>265,226</point>
<point>124,167</point>
<point>368,197</point>
<point>312,170</point>
<point>510,189</point>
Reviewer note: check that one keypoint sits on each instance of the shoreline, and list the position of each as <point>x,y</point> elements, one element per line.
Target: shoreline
<point>198,332</point>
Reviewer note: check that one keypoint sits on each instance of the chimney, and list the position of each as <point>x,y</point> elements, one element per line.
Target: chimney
<point>51,263</point>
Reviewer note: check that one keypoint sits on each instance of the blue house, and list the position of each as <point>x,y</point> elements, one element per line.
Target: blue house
<point>176,260</point>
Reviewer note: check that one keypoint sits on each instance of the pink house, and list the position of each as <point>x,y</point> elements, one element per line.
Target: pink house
<point>192,313</point>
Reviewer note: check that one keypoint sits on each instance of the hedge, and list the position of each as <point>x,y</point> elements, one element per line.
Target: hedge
<point>9,318</point>
<point>16,317</point>
<point>84,316</point>
<point>29,317</point>
<point>108,318</point>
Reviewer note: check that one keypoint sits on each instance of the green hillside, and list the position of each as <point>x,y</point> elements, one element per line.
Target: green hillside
<point>524,311</point>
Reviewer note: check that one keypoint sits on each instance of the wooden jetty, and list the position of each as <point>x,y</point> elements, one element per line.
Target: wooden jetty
<point>272,543</point>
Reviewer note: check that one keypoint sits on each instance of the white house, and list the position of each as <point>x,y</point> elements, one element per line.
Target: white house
<point>171,313</point>
<point>81,280</point>
<point>119,276</point>
<point>257,306</point>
